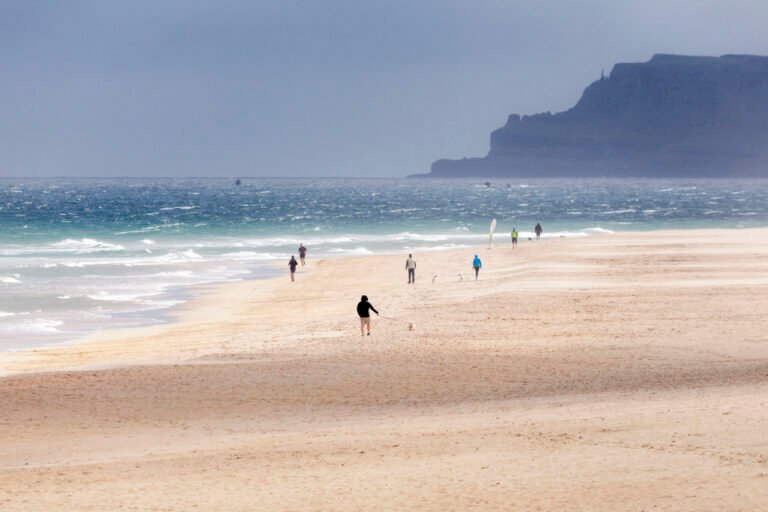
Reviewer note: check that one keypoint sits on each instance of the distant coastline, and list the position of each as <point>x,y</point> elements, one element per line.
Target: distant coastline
<point>673,116</point>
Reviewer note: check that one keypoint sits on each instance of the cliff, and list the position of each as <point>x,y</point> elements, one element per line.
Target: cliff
<point>673,116</point>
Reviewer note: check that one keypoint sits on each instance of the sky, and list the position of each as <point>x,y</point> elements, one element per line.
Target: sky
<point>227,88</point>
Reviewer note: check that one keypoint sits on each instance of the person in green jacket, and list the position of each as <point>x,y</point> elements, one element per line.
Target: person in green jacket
<point>514,237</point>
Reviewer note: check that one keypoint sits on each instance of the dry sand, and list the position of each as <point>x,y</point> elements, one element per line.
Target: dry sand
<point>621,372</point>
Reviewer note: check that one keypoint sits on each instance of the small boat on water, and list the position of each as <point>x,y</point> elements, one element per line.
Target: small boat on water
<point>238,182</point>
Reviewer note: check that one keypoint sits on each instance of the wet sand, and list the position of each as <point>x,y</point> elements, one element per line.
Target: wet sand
<point>617,372</point>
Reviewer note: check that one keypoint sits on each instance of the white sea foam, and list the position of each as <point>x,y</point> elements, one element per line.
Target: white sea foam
<point>11,279</point>
<point>186,255</point>
<point>357,251</point>
<point>250,256</point>
<point>121,297</point>
<point>272,242</point>
<point>611,212</point>
<point>161,304</point>
<point>340,240</point>
<point>6,313</point>
<point>178,273</point>
<point>48,250</point>
<point>86,245</point>
<point>435,237</point>
<point>256,242</point>
<point>340,244</point>
<point>443,247</point>
<point>147,229</point>
<point>170,258</point>
<point>405,236</point>
<point>37,326</point>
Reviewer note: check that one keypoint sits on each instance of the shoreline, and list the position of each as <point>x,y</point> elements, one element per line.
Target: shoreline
<point>201,293</point>
<point>266,270</point>
<point>189,313</point>
<point>153,317</point>
<point>163,315</point>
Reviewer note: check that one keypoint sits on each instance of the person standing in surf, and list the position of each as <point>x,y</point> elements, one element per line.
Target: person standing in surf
<point>364,309</point>
<point>410,266</point>
<point>302,253</point>
<point>538,229</point>
<point>292,265</point>
<point>514,237</point>
<point>477,265</point>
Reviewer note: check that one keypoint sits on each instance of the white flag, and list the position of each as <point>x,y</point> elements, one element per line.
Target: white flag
<point>490,232</point>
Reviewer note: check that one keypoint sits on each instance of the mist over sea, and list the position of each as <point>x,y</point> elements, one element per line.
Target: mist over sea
<point>82,254</point>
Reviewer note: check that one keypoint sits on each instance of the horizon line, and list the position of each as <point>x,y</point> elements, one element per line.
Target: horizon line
<point>233,177</point>
<point>406,176</point>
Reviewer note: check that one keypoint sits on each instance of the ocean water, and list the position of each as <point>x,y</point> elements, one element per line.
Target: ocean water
<point>83,254</point>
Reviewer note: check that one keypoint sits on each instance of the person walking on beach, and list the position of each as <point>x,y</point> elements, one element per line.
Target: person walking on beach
<point>302,253</point>
<point>410,266</point>
<point>538,229</point>
<point>514,237</point>
<point>292,265</point>
<point>364,309</point>
<point>477,265</point>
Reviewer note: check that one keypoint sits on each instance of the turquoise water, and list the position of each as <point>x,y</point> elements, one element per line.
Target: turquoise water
<point>78,255</point>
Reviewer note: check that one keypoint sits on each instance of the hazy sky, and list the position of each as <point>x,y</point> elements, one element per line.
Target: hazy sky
<point>309,88</point>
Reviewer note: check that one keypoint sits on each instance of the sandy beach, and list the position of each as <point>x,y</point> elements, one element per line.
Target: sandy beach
<point>621,372</point>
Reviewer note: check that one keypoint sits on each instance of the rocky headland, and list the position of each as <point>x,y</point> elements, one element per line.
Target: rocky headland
<point>673,116</point>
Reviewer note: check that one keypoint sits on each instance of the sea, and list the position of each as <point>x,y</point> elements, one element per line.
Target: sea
<point>79,255</point>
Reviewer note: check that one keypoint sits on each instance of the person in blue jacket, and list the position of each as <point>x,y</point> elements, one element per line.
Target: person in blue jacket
<point>477,265</point>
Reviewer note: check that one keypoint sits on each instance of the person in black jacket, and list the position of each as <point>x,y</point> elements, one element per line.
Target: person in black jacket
<point>363,311</point>
<point>302,253</point>
<point>292,265</point>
